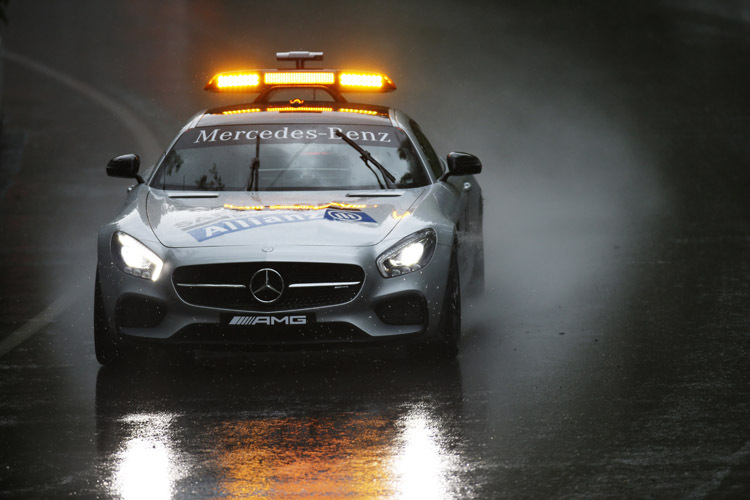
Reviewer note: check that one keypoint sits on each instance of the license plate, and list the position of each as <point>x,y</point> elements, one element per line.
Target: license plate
<point>267,320</point>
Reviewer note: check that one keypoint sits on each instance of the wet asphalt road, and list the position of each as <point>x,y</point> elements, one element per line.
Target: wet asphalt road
<point>609,357</point>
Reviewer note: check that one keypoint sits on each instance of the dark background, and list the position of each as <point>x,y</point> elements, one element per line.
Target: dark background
<point>609,357</point>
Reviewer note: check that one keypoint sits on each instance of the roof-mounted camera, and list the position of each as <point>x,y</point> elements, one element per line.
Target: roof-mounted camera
<point>299,56</point>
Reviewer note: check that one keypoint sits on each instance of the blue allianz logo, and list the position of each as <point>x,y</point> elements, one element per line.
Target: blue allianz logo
<point>348,216</point>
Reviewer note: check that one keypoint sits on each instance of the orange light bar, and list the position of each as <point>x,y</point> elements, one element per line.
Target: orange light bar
<point>234,81</point>
<point>360,80</point>
<point>241,111</point>
<point>359,111</point>
<point>260,80</point>
<point>299,78</point>
<point>301,109</point>
<point>333,204</point>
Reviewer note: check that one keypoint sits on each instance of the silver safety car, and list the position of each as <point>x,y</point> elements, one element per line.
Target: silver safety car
<point>297,220</point>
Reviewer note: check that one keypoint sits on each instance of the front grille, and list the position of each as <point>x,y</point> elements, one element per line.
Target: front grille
<point>227,286</point>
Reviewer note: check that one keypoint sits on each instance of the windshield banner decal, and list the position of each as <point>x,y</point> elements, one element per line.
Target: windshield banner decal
<point>280,134</point>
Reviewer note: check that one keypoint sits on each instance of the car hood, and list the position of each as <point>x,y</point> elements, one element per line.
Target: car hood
<point>195,219</point>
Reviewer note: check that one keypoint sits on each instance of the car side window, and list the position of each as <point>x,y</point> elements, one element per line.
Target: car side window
<point>432,158</point>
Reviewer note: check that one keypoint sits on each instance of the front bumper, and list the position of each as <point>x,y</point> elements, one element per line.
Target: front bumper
<point>359,321</point>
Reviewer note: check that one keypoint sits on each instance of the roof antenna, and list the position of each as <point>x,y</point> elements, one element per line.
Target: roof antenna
<point>299,56</point>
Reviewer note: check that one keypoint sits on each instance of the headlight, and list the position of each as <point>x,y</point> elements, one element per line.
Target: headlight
<point>408,255</point>
<point>133,257</point>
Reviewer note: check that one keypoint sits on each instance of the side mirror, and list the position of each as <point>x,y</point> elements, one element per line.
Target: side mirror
<point>125,166</point>
<point>462,164</point>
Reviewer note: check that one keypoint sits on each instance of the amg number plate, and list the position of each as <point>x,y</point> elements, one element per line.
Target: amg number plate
<point>267,319</point>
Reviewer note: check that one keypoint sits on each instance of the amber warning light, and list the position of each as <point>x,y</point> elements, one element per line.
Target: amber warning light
<point>260,80</point>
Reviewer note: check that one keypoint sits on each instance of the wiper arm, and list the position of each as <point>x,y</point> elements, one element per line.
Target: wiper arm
<point>252,179</point>
<point>368,159</point>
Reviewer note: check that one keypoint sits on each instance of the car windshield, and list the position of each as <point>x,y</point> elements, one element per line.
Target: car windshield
<point>288,158</point>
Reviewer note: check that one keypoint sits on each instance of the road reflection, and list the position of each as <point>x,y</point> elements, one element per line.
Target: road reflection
<point>283,427</point>
<point>146,460</point>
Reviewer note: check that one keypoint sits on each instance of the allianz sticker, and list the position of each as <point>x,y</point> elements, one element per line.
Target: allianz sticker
<point>216,229</point>
<point>347,216</point>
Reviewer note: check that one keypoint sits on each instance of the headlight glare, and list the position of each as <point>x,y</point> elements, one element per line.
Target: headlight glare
<point>408,255</point>
<point>135,258</point>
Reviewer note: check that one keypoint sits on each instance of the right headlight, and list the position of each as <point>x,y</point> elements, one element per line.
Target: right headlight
<point>408,255</point>
<point>133,257</point>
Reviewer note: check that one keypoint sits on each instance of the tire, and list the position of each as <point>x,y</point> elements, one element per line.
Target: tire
<point>449,330</point>
<point>478,276</point>
<point>478,273</point>
<point>450,321</point>
<point>106,347</point>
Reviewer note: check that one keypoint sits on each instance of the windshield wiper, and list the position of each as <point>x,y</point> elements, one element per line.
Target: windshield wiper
<point>368,159</point>
<point>252,179</point>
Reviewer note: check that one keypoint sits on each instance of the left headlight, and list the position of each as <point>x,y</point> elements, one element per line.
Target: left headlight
<point>133,257</point>
<point>408,255</point>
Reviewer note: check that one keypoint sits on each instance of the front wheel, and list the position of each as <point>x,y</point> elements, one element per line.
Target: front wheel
<point>106,347</point>
<point>446,346</point>
<point>451,317</point>
<point>478,276</point>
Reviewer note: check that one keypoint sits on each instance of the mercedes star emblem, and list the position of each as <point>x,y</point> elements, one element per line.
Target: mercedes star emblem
<point>266,285</point>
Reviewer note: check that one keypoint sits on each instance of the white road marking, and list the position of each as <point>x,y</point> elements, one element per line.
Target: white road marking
<point>711,486</point>
<point>147,143</point>
<point>37,322</point>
